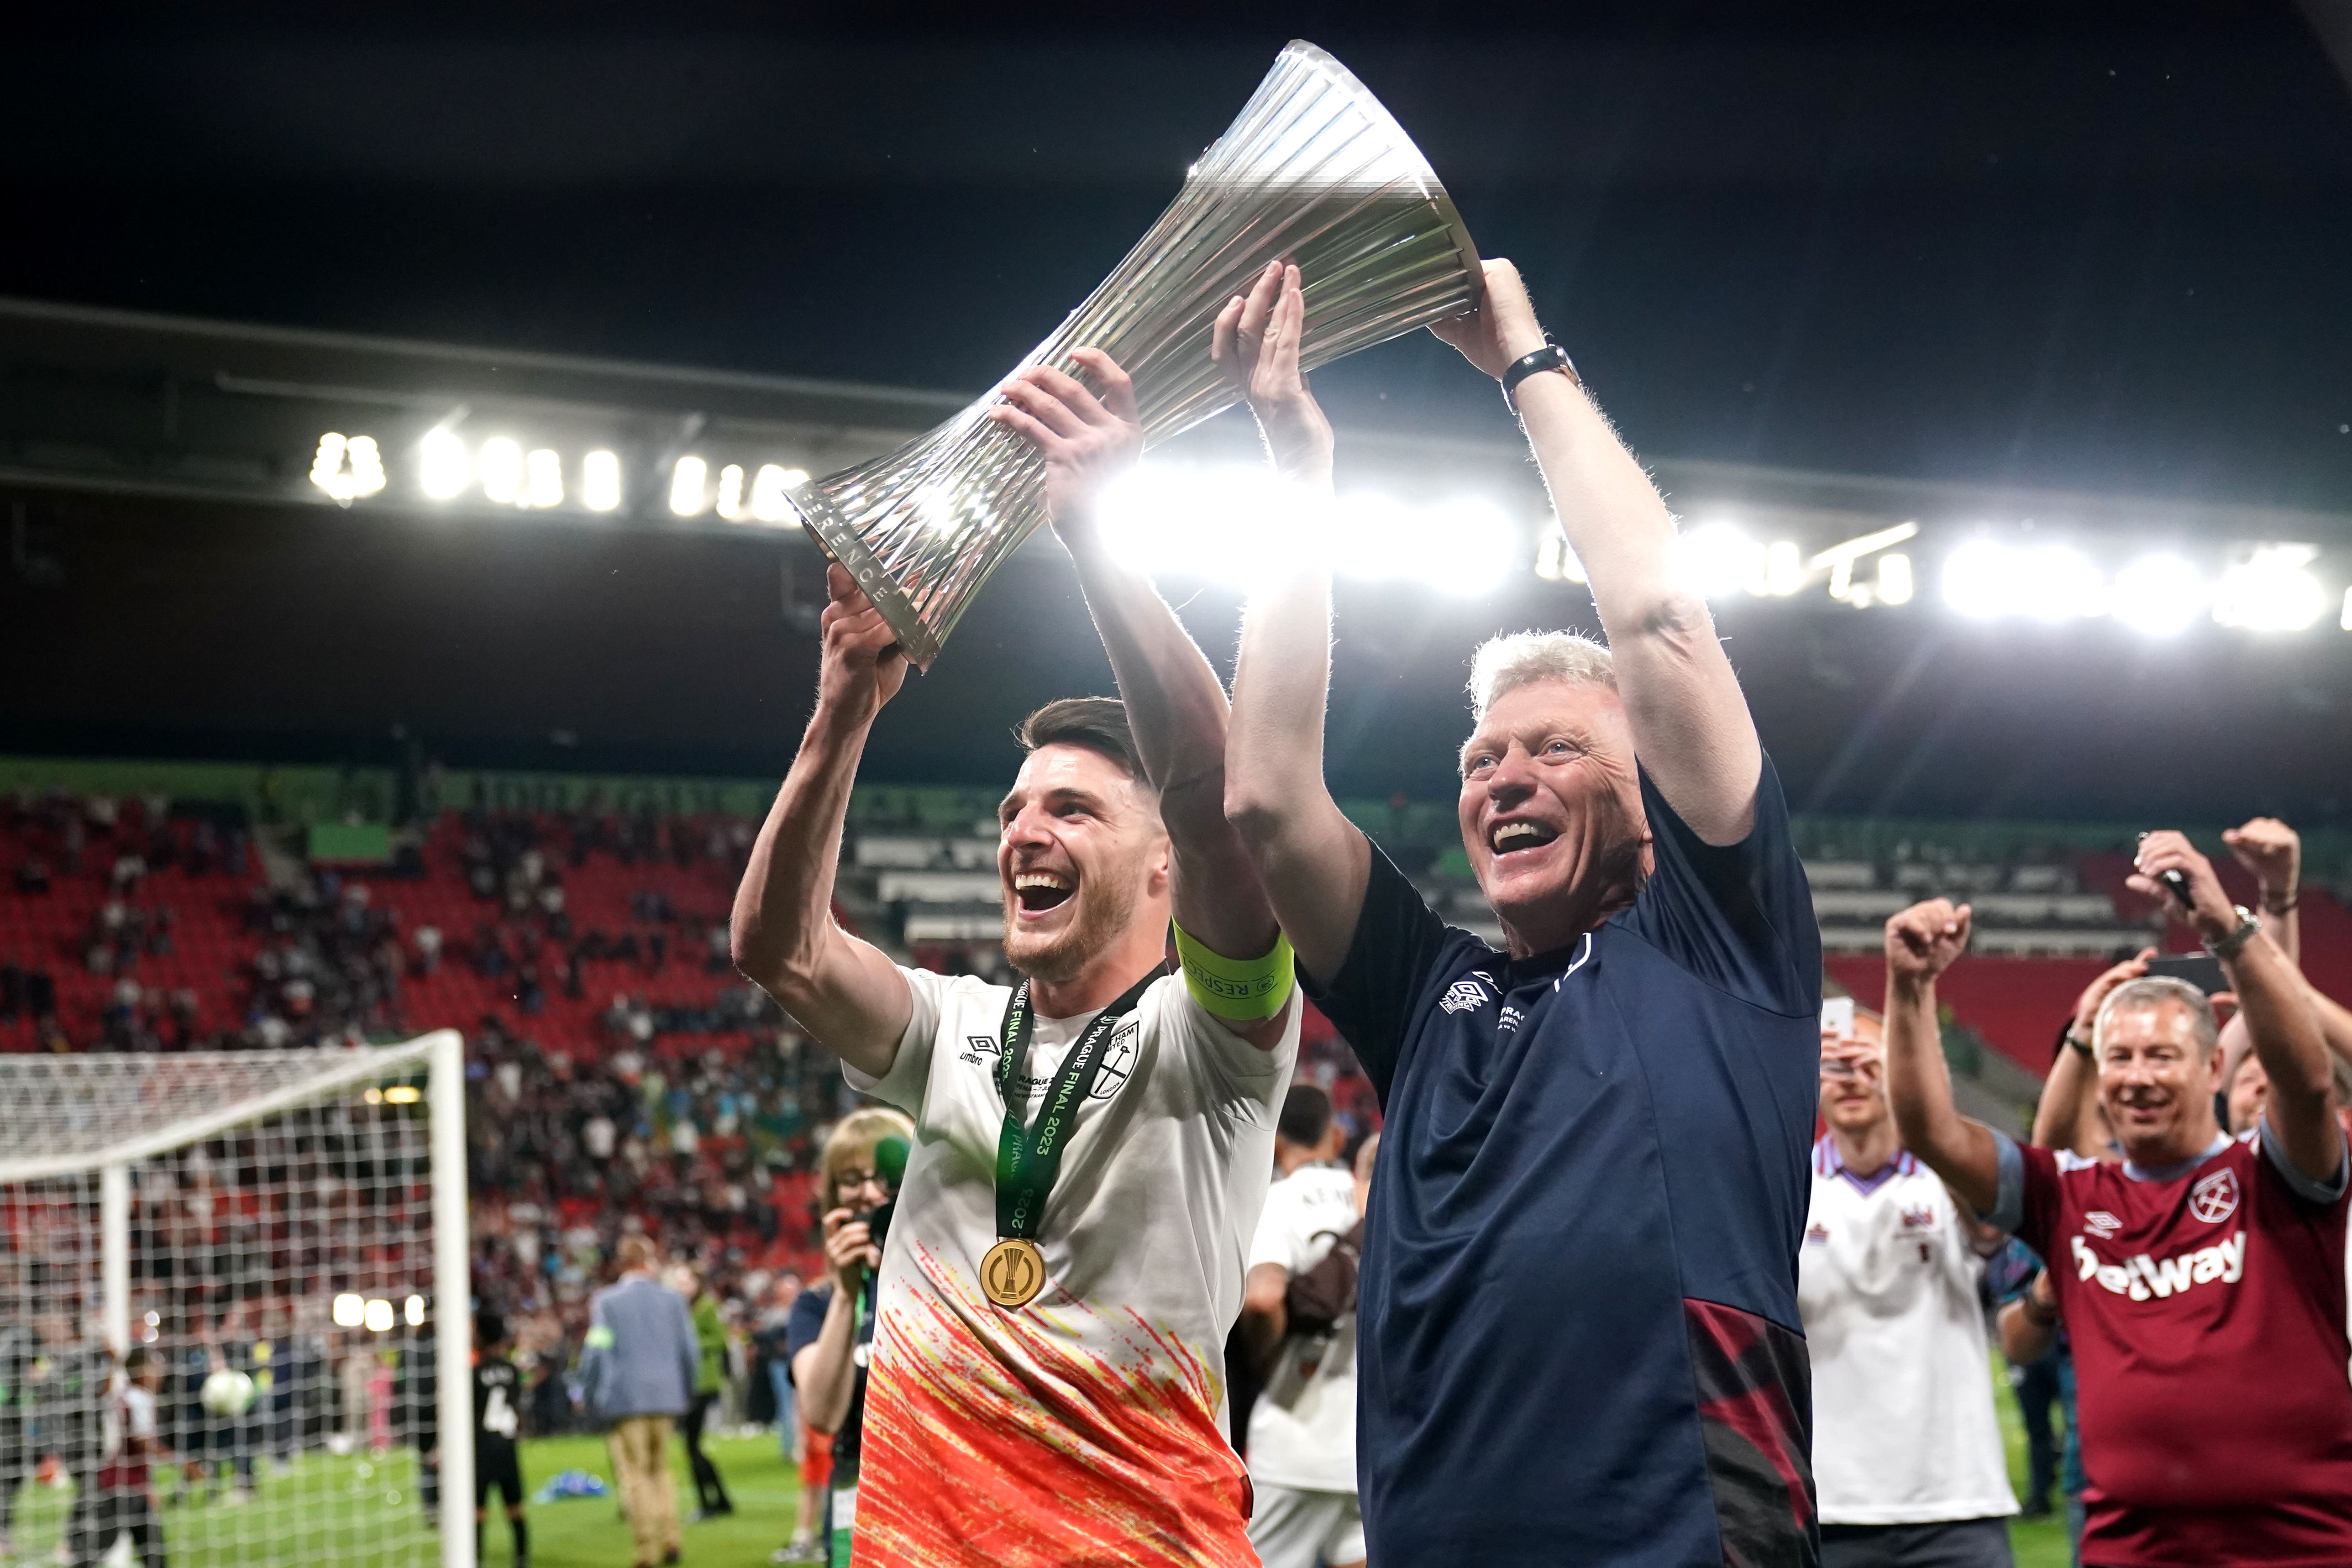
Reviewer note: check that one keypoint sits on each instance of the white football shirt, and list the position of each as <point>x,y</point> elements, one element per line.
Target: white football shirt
<point>1904,1430</point>
<point>1092,1419</point>
<point>1303,1428</point>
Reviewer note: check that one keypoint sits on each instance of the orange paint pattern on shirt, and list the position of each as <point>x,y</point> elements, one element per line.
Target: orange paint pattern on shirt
<point>1051,1436</point>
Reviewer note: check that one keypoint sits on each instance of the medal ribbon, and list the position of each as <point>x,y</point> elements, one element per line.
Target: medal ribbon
<point>1029,1159</point>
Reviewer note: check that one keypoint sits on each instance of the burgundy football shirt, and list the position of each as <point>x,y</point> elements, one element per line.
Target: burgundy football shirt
<point>2206,1306</point>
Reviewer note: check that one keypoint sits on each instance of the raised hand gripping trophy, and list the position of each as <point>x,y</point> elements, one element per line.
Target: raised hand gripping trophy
<point>1314,172</point>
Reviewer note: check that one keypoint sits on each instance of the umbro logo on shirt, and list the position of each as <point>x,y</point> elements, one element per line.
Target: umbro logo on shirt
<point>2142,1277</point>
<point>1464,996</point>
<point>2100,1224</point>
<point>976,1046</point>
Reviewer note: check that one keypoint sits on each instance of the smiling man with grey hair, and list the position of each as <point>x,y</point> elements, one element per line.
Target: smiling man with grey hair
<point>1595,1177</point>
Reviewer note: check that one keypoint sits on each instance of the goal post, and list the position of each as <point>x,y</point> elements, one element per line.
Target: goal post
<point>284,1236</point>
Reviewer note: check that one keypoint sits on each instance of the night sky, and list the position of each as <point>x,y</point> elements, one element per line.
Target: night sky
<point>2100,246</point>
<point>2093,247</point>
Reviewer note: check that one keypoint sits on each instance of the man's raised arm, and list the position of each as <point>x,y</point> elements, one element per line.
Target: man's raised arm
<point>2271,998</point>
<point>850,999</point>
<point>1921,943</point>
<point>1175,706</point>
<point>1691,727</point>
<point>1315,862</point>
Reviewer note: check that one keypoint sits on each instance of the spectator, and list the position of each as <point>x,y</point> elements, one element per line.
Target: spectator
<point>710,1344</point>
<point>1907,1448</point>
<point>833,1323</point>
<point>638,1374</point>
<point>1298,1321</point>
<point>2201,1279</point>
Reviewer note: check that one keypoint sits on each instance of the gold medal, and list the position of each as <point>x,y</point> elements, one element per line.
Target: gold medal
<point>1012,1272</point>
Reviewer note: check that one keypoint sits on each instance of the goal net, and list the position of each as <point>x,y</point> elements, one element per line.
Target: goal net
<point>265,1244</point>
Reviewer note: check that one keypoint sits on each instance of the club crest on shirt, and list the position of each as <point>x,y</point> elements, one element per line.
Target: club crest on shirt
<point>2214,1198</point>
<point>1817,1234</point>
<point>1119,1061</point>
<point>1464,996</point>
<point>1919,1217</point>
<point>2100,1224</point>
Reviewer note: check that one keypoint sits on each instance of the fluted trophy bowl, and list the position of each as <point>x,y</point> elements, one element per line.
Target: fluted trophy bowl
<point>1314,172</point>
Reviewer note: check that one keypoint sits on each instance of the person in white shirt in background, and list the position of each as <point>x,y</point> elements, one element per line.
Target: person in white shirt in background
<point>1907,1450</point>
<point>1302,1430</point>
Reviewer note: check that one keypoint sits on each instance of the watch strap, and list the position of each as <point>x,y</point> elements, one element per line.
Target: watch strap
<point>2231,946</point>
<point>1551,357</point>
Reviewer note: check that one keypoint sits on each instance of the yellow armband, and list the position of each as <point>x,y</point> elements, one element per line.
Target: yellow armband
<point>1239,990</point>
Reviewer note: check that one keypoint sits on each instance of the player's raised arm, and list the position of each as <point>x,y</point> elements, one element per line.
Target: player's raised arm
<point>2067,1114</point>
<point>1175,706</point>
<point>1315,862</point>
<point>2271,998</point>
<point>1921,943</point>
<point>1691,725</point>
<point>849,997</point>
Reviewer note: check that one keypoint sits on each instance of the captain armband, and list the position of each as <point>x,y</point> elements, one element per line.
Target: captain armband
<point>1238,990</point>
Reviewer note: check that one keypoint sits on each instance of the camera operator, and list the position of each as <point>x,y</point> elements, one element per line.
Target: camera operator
<point>831,1333</point>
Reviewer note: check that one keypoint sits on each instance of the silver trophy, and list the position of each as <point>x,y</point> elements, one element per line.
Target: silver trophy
<point>1314,172</point>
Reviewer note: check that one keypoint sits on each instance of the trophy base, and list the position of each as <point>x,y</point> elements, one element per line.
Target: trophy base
<point>837,538</point>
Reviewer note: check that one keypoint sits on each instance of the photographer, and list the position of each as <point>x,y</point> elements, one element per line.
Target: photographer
<point>832,1328</point>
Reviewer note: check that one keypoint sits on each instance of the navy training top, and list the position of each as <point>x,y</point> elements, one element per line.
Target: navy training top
<point>1578,1337</point>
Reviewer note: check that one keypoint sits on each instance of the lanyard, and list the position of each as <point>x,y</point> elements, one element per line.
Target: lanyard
<point>1028,1159</point>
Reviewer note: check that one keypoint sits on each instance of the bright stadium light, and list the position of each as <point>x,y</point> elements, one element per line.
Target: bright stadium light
<point>1895,585</point>
<point>501,469</point>
<point>545,470</point>
<point>1720,560</point>
<point>2345,621</point>
<point>2271,590</point>
<point>1784,569</point>
<point>441,469</point>
<point>2157,594</point>
<point>413,1310</point>
<point>351,1310</point>
<point>768,504</point>
<point>600,481</point>
<point>347,468</point>
<point>685,485</point>
<point>2054,582</point>
<point>1473,544</point>
<point>730,493</point>
<point>379,1315</point>
<point>1978,580</point>
<point>1555,562</point>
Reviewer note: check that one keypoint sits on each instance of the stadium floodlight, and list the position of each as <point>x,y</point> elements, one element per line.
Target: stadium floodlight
<point>118,1170</point>
<point>1978,580</point>
<point>1720,560</point>
<point>379,1315</point>
<point>2272,590</point>
<point>442,472</point>
<point>1895,585</point>
<point>600,481</point>
<point>1475,546</point>
<point>2057,582</point>
<point>768,488</point>
<point>2345,620</point>
<point>1839,559</point>
<point>729,504</point>
<point>500,462</point>
<point>347,468</point>
<point>411,1312</point>
<point>1784,569</point>
<point>2158,594</point>
<point>1555,560</point>
<point>686,483</point>
<point>544,470</point>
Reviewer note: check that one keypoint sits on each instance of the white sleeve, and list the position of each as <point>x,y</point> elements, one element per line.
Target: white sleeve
<point>142,1413</point>
<point>1238,1070</point>
<point>910,1069</point>
<point>1276,1239</point>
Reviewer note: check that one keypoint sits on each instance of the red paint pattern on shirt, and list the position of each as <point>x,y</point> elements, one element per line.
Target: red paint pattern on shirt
<point>1054,1435</point>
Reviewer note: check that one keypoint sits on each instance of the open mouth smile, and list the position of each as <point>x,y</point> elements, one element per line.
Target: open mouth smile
<point>1038,892</point>
<point>1515,837</point>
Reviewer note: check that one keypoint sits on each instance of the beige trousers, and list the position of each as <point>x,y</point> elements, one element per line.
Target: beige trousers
<point>641,1467</point>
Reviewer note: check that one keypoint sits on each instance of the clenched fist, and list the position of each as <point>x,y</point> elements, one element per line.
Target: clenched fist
<point>1923,940</point>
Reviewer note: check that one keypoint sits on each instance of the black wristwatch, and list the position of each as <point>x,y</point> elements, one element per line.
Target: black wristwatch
<point>1551,357</point>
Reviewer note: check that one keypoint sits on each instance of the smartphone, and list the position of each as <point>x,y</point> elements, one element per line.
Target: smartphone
<point>2175,882</point>
<point>1837,1017</point>
<point>2201,970</point>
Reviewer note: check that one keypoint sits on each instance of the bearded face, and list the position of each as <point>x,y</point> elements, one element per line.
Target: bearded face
<point>1081,856</point>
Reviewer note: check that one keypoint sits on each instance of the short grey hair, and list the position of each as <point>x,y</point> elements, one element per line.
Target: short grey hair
<point>2150,992</point>
<point>1523,658</point>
